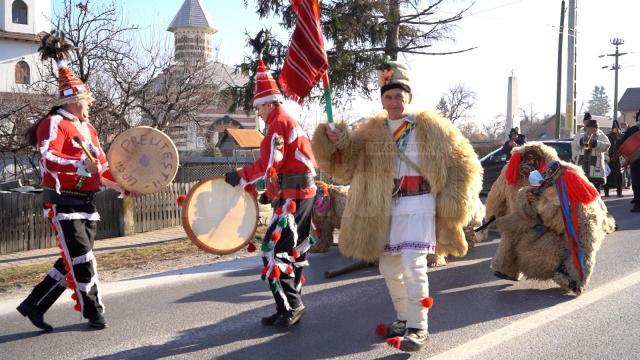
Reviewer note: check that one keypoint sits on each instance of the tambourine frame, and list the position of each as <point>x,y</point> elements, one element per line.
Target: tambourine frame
<point>194,238</point>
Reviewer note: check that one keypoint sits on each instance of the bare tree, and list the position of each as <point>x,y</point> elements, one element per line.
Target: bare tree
<point>456,103</point>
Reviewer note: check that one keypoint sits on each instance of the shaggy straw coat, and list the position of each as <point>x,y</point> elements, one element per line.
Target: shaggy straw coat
<point>368,162</point>
<point>539,255</point>
<point>502,196</point>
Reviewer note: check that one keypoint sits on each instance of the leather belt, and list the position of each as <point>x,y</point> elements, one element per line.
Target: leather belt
<point>296,181</point>
<point>67,197</point>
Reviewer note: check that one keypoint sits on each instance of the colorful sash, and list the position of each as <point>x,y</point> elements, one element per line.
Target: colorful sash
<point>570,219</point>
<point>401,135</point>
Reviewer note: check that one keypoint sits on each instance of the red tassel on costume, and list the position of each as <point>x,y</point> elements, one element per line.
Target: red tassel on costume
<point>272,172</point>
<point>394,342</point>
<point>71,285</point>
<point>48,205</point>
<point>279,210</point>
<point>427,302</point>
<point>289,270</point>
<point>180,199</point>
<point>54,228</point>
<point>77,307</point>
<point>50,214</point>
<point>381,330</point>
<point>251,248</point>
<point>292,207</point>
<point>67,268</point>
<point>61,253</point>
<point>303,279</point>
<point>513,168</point>
<point>74,296</point>
<point>264,270</point>
<point>295,253</point>
<point>275,236</point>
<point>578,188</point>
<point>275,273</point>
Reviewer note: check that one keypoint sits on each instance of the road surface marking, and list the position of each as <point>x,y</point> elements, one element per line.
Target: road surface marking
<point>520,327</point>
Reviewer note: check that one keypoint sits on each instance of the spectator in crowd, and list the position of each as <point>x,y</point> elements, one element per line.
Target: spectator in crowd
<point>588,150</point>
<point>615,176</point>
<point>515,139</point>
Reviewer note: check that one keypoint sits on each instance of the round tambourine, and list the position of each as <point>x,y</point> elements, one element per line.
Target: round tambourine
<point>143,159</point>
<point>219,218</point>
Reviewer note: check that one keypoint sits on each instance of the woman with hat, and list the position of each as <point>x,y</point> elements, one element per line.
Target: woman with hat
<point>615,177</point>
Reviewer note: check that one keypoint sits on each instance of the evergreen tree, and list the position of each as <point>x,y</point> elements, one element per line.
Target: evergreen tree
<point>599,103</point>
<point>361,33</point>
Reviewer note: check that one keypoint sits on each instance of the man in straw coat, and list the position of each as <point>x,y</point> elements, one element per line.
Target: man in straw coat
<point>413,179</point>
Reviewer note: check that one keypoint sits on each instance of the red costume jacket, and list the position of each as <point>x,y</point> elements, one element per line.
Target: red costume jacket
<point>61,157</point>
<point>287,150</point>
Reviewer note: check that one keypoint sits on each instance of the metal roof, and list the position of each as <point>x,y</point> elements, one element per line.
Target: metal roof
<point>192,15</point>
<point>630,100</point>
<point>246,138</point>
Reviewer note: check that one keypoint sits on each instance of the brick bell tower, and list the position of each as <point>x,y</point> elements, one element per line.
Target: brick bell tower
<point>193,32</point>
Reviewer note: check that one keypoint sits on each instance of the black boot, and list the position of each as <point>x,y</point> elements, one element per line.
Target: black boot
<point>414,340</point>
<point>270,320</point>
<point>289,319</point>
<point>97,321</point>
<point>35,316</point>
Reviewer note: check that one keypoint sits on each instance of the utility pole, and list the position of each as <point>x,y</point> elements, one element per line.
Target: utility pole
<point>569,127</point>
<point>617,42</point>
<point>559,84</point>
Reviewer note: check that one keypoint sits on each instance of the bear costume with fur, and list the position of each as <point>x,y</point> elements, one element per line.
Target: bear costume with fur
<point>541,247</point>
<point>367,162</point>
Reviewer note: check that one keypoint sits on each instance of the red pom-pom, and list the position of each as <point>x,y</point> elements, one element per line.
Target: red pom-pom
<point>295,253</point>
<point>279,210</point>
<point>264,270</point>
<point>513,168</point>
<point>71,285</point>
<point>54,228</point>
<point>427,302</point>
<point>275,236</point>
<point>394,342</point>
<point>69,277</point>
<point>50,214</point>
<point>381,330</point>
<point>180,199</point>
<point>291,208</point>
<point>74,296</point>
<point>48,205</point>
<point>272,172</point>
<point>77,307</point>
<point>275,273</point>
<point>67,268</point>
<point>61,253</point>
<point>289,270</point>
<point>303,279</point>
<point>251,248</point>
<point>579,188</point>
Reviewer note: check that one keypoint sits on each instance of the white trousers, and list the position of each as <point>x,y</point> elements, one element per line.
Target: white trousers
<point>408,284</point>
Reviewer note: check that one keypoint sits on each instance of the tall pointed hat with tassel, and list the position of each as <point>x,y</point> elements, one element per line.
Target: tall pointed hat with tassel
<point>266,87</point>
<point>70,88</point>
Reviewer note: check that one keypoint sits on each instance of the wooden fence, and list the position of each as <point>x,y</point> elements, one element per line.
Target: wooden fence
<point>23,226</point>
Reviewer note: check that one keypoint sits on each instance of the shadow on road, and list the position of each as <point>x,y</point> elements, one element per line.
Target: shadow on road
<point>340,320</point>
<point>80,327</point>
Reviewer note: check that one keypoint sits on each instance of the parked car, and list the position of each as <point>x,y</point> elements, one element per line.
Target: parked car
<point>493,162</point>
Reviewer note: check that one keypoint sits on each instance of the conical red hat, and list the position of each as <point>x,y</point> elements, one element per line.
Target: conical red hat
<point>266,87</point>
<point>70,88</point>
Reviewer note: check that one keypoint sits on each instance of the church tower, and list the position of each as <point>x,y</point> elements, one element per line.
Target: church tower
<point>22,25</point>
<point>193,32</point>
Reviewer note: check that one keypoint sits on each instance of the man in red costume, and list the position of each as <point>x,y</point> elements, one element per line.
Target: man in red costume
<point>70,179</point>
<point>287,165</point>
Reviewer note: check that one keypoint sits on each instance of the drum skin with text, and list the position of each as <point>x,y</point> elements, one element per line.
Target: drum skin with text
<point>143,160</point>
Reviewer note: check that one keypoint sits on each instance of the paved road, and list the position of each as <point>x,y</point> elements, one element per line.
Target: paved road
<point>213,312</point>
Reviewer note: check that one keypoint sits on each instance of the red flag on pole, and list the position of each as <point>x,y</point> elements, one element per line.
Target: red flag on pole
<point>306,60</point>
